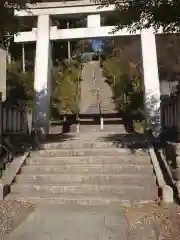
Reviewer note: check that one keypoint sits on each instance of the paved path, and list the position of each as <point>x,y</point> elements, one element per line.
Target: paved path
<point>56,222</point>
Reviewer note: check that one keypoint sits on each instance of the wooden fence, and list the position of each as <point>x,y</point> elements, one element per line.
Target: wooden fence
<point>14,120</point>
<point>14,132</point>
<point>170,119</point>
<point>170,115</point>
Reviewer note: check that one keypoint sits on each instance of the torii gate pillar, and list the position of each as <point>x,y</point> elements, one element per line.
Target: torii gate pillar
<point>151,80</point>
<point>42,80</point>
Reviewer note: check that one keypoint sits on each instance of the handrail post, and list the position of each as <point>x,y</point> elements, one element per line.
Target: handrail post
<point>102,122</point>
<point>99,104</point>
<point>78,97</point>
<point>78,126</point>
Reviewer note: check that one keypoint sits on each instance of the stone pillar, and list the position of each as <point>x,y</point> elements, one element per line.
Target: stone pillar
<point>151,80</point>
<point>43,64</point>
<point>94,20</point>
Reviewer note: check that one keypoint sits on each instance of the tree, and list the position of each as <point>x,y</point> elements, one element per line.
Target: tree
<point>138,14</point>
<point>19,85</point>
<point>127,54</point>
<point>9,24</point>
<point>120,63</point>
<point>65,87</point>
<point>168,53</point>
<point>127,91</point>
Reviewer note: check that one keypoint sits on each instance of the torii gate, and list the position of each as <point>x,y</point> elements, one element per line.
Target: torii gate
<point>45,33</point>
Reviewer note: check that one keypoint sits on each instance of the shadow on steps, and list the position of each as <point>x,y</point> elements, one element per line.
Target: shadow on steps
<point>133,141</point>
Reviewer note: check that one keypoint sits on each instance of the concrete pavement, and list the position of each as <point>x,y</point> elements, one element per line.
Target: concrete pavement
<point>59,222</point>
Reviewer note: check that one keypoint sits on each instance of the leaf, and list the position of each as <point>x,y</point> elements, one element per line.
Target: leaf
<point>66,76</point>
<point>10,24</point>
<point>139,14</point>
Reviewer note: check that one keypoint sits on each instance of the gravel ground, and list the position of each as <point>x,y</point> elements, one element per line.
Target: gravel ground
<point>153,222</point>
<point>12,213</point>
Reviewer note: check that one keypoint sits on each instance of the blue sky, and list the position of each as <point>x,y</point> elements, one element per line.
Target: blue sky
<point>96,43</point>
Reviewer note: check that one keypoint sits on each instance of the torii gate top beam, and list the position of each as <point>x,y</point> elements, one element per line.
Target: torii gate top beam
<point>47,4</point>
<point>63,8</point>
<point>76,33</point>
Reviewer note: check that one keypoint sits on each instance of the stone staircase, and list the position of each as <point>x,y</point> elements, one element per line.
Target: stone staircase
<point>86,170</point>
<point>88,103</point>
<point>89,89</point>
<point>94,84</point>
<point>105,92</point>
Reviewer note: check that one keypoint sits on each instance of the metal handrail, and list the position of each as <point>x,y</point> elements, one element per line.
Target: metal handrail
<point>97,93</point>
<point>99,101</point>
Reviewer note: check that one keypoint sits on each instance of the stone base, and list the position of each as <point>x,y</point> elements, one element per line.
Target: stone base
<point>167,194</point>
<point>172,155</point>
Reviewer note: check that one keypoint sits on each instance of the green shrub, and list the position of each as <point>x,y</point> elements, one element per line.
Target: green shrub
<point>65,92</point>
<point>19,84</point>
<point>126,89</point>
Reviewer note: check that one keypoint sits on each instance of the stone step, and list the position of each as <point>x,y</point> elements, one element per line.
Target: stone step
<point>114,119</point>
<point>78,144</point>
<point>122,192</point>
<point>84,152</point>
<point>107,128</point>
<point>90,178</point>
<point>88,168</point>
<point>90,128</point>
<point>103,106</point>
<point>68,199</point>
<point>106,101</point>
<point>130,159</point>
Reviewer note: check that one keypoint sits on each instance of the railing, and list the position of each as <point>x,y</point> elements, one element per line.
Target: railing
<point>99,104</point>
<point>78,99</point>
<point>170,137</point>
<point>98,101</point>
<point>100,111</point>
<point>14,120</point>
<point>15,131</point>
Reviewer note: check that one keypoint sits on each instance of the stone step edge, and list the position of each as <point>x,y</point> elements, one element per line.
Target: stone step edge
<point>121,150</point>
<point>72,171</point>
<point>73,146</point>
<point>72,190</point>
<point>92,148</point>
<point>80,201</point>
<point>138,175</point>
<point>73,183</point>
<point>89,195</point>
<point>91,165</point>
<point>64,163</point>
<point>110,151</point>
<point>120,157</point>
<point>80,185</point>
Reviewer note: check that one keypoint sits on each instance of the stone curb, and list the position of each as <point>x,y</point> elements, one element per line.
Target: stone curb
<point>10,174</point>
<point>167,191</point>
